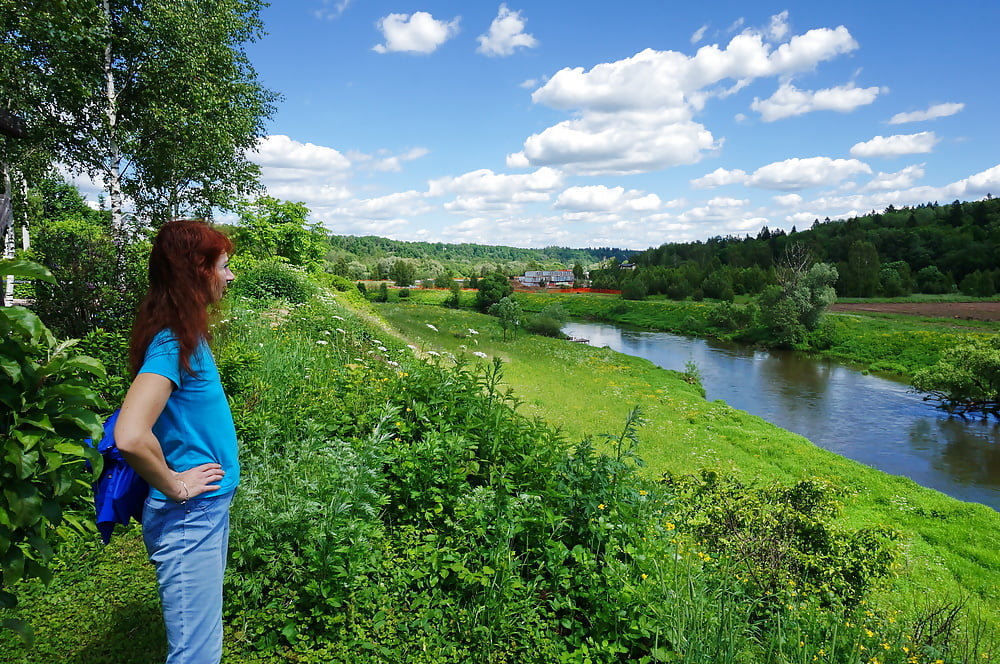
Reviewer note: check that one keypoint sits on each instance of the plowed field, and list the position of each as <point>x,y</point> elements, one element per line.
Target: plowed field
<point>989,311</point>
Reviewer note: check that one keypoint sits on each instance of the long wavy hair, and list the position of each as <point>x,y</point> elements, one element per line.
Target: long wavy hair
<point>182,284</point>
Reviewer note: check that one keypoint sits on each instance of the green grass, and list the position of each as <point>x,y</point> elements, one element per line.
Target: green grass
<point>953,548</point>
<point>359,537</point>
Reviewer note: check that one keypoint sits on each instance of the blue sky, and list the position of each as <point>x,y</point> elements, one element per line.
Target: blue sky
<point>625,124</point>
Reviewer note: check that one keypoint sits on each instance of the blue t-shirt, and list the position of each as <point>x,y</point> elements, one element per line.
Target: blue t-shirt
<point>196,425</point>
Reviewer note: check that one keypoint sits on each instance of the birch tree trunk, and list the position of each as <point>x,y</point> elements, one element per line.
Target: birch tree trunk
<point>113,174</point>
<point>7,232</point>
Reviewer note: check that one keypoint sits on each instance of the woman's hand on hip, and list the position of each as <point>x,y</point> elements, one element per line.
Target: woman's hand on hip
<point>195,481</point>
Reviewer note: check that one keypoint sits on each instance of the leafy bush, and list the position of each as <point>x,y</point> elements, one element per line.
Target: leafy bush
<point>272,280</point>
<point>548,322</point>
<point>966,378</point>
<point>97,284</point>
<point>732,317</point>
<point>783,537</point>
<point>492,288</point>
<point>48,408</point>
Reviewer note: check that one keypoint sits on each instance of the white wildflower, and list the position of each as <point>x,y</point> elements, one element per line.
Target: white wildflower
<point>471,331</point>
<point>327,332</point>
<point>339,317</point>
<point>432,327</point>
<point>479,353</point>
<point>341,331</point>
<point>412,347</point>
<point>322,342</point>
<point>434,353</point>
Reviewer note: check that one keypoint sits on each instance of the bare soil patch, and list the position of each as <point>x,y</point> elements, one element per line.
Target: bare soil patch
<point>985,311</point>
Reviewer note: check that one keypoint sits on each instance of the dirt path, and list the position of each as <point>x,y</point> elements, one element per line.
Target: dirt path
<point>987,311</point>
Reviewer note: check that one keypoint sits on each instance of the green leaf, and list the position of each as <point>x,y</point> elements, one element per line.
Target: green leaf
<point>21,628</point>
<point>25,503</point>
<point>25,462</point>
<point>26,270</point>
<point>11,368</point>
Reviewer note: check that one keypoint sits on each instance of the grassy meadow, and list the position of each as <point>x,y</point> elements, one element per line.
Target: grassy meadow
<point>419,490</point>
<point>953,548</point>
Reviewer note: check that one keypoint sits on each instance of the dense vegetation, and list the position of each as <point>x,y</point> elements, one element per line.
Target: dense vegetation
<point>400,506</point>
<point>925,249</point>
<point>403,509</point>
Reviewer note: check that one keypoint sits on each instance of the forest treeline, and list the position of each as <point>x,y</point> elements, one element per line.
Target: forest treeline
<point>929,248</point>
<point>372,257</point>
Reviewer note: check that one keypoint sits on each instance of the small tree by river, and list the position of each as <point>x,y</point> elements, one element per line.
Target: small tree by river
<point>966,379</point>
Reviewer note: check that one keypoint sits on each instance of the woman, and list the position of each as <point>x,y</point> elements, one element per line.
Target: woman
<point>176,430</point>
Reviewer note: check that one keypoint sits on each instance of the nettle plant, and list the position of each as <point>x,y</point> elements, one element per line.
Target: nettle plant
<point>47,409</point>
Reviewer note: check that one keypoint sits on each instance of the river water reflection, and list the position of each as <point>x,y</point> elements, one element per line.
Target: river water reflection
<point>866,418</point>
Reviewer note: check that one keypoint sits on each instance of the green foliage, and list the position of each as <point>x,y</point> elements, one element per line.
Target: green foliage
<point>272,280</point>
<point>895,279</point>
<point>791,310</point>
<point>941,245</point>
<point>733,317</point>
<point>403,272</point>
<point>548,322</point>
<point>492,288</point>
<point>783,538</point>
<point>454,295</point>
<point>48,408</point>
<point>508,313</point>
<point>981,283</point>
<point>98,284</point>
<point>270,228</point>
<point>966,378</point>
<point>633,289</point>
<point>930,279</point>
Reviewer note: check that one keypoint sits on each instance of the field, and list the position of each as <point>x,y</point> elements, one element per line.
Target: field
<point>980,311</point>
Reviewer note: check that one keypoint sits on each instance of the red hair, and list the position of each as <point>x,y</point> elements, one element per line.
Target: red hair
<point>182,282</point>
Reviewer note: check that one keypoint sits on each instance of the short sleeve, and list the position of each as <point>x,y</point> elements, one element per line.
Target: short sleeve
<point>163,358</point>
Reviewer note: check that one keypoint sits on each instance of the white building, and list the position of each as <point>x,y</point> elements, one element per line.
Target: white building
<point>537,278</point>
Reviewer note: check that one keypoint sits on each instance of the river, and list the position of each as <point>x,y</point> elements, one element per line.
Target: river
<point>870,419</point>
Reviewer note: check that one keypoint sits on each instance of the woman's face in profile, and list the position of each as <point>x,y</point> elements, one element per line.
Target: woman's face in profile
<point>223,275</point>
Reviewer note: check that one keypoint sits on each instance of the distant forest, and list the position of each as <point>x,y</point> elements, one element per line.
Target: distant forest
<point>364,257</point>
<point>929,248</point>
<point>925,249</point>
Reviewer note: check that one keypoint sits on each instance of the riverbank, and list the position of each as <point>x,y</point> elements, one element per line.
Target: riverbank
<point>890,343</point>
<point>952,548</point>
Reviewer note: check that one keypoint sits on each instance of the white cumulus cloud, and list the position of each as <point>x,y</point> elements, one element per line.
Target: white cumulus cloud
<point>789,101</point>
<point>637,114</point>
<point>936,111</point>
<point>718,178</point>
<point>484,182</point>
<point>506,34</point>
<point>899,180</point>
<point>792,174</point>
<point>600,198</point>
<point>414,33</point>
<point>894,146</point>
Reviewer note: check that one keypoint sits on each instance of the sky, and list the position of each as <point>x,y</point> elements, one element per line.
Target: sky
<point>630,124</point>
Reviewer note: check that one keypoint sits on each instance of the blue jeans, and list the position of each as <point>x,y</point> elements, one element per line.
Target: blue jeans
<point>187,545</point>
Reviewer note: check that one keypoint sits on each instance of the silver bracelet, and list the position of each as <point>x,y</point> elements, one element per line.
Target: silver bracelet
<point>187,494</point>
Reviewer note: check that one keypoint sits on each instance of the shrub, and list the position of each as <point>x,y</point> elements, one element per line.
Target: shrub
<point>96,284</point>
<point>732,317</point>
<point>273,280</point>
<point>548,322</point>
<point>47,408</point>
<point>783,537</point>
<point>634,289</point>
